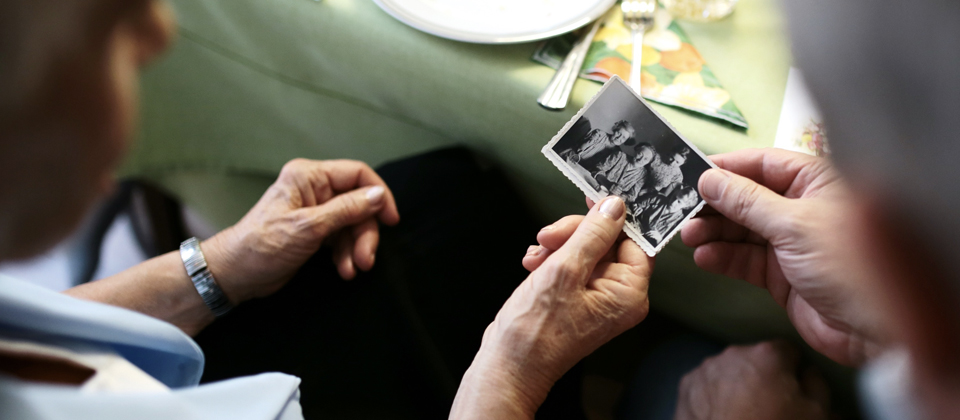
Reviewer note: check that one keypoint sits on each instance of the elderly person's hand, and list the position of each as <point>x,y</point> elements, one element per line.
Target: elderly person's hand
<point>588,284</point>
<point>312,202</point>
<point>756,382</point>
<point>338,201</point>
<point>781,225</point>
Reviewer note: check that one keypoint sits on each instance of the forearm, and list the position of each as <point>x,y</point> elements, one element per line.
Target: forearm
<point>492,389</point>
<point>159,288</point>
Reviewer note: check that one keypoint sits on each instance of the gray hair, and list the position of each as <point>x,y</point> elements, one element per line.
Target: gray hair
<point>885,74</point>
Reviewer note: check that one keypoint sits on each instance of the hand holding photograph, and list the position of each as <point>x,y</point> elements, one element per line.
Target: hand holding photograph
<point>618,145</point>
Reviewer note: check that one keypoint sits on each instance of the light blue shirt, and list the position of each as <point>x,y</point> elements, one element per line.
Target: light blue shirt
<point>32,313</point>
<point>886,388</point>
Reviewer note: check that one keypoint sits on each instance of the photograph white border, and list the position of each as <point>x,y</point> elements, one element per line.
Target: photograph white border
<point>632,231</point>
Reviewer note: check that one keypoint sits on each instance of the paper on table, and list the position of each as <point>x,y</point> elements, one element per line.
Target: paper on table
<point>801,126</point>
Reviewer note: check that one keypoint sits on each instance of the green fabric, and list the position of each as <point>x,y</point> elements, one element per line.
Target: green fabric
<point>254,83</point>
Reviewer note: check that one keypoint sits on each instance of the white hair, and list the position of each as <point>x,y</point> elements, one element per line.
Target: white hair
<point>885,73</point>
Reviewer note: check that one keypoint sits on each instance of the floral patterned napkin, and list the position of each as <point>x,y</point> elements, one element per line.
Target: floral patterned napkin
<point>673,73</point>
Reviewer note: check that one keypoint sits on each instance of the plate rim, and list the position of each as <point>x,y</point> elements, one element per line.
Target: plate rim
<point>401,15</point>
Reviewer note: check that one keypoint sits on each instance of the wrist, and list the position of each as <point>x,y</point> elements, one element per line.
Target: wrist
<point>507,378</point>
<point>495,387</point>
<point>221,262</point>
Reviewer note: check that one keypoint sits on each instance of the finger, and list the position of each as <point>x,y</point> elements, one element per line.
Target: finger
<point>740,261</point>
<point>594,236</point>
<point>743,201</point>
<point>319,181</point>
<point>634,272</point>
<point>776,169</point>
<point>749,262</point>
<point>535,257</point>
<point>705,229</point>
<point>344,210</point>
<point>776,356</point>
<point>629,253</point>
<point>304,176</point>
<point>348,175</point>
<point>366,236</point>
<point>554,236</point>
<point>343,256</point>
<point>612,254</point>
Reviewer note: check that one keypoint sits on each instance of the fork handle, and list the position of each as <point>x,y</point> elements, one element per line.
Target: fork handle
<point>637,58</point>
<point>557,92</point>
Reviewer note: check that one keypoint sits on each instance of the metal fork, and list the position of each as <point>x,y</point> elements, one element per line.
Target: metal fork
<point>638,16</point>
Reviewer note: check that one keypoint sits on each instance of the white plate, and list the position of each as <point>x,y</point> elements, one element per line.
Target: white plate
<point>495,21</point>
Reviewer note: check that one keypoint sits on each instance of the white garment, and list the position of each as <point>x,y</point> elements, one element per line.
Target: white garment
<point>886,388</point>
<point>111,372</point>
<point>31,314</point>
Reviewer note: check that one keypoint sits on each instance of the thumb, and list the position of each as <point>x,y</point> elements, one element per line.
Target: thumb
<point>595,235</point>
<point>743,201</point>
<point>344,210</point>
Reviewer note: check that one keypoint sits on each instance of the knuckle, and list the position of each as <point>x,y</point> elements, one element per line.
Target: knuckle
<point>572,221</point>
<point>359,164</point>
<point>321,228</point>
<point>635,272</point>
<point>686,382</point>
<point>744,199</point>
<point>766,354</point>
<point>320,183</point>
<point>293,169</point>
<point>763,349</point>
<point>363,165</point>
<point>732,352</point>
<point>570,268</point>
<point>639,310</point>
<point>595,233</point>
<point>794,223</point>
<point>351,205</point>
<point>294,165</point>
<point>561,271</point>
<point>307,222</point>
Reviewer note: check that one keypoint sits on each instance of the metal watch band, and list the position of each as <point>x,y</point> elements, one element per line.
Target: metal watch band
<point>196,266</point>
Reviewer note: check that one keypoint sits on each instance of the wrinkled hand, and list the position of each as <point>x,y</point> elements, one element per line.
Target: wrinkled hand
<point>756,382</point>
<point>337,201</point>
<point>781,225</point>
<point>588,284</point>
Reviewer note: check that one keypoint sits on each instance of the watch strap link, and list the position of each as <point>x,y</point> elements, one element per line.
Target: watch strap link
<point>203,281</point>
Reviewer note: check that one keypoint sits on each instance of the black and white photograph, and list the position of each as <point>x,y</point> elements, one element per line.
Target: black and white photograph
<point>618,145</point>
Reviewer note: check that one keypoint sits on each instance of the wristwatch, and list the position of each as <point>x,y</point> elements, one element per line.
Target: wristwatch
<point>203,280</point>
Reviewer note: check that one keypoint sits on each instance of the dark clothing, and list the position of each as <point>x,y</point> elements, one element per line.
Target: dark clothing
<point>394,342</point>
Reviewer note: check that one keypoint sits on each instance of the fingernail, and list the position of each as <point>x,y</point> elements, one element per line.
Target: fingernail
<point>534,250</point>
<point>546,228</point>
<point>612,207</point>
<point>375,194</point>
<point>712,183</point>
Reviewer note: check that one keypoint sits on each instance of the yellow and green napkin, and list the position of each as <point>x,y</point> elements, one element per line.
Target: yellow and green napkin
<point>673,73</point>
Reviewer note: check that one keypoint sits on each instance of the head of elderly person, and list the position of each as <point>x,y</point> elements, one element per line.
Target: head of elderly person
<point>68,101</point>
<point>890,94</point>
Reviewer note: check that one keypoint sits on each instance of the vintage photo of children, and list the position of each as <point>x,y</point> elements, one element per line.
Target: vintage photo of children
<point>618,145</point>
